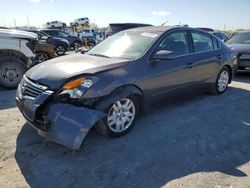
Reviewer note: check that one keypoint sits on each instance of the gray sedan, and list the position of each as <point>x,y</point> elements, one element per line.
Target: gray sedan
<point>110,85</point>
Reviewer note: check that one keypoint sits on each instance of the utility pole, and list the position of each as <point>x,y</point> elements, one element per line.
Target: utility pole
<point>15,22</point>
<point>28,22</point>
<point>224,29</point>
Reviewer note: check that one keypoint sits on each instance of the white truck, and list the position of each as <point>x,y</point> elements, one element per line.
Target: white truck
<point>16,55</point>
<point>55,24</point>
<point>80,21</point>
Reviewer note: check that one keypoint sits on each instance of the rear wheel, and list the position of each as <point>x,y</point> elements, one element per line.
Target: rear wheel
<point>121,117</point>
<point>11,71</point>
<point>222,81</point>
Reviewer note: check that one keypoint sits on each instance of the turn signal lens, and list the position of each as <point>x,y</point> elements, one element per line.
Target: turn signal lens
<point>73,84</point>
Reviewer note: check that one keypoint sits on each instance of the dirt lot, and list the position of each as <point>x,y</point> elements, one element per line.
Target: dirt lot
<point>202,141</point>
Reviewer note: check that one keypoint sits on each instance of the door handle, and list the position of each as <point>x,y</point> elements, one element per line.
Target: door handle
<point>190,65</point>
<point>220,57</point>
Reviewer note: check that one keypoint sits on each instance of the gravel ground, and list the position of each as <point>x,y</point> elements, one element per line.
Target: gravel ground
<point>202,141</point>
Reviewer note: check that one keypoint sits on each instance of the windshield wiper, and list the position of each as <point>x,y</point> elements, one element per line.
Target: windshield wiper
<point>99,55</point>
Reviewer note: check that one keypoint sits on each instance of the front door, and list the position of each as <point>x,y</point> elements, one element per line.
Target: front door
<point>170,77</point>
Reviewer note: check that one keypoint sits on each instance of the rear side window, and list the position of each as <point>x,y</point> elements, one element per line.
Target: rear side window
<point>52,33</point>
<point>176,42</point>
<point>216,43</point>
<point>62,34</point>
<point>202,42</point>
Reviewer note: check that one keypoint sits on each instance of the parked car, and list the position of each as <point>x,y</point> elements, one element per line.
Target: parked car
<point>88,32</point>
<point>44,51</point>
<point>222,36</point>
<point>120,77</point>
<point>73,40</point>
<point>55,24</point>
<point>89,35</point>
<point>240,42</point>
<point>117,27</point>
<point>16,55</point>
<point>60,45</point>
<point>80,21</point>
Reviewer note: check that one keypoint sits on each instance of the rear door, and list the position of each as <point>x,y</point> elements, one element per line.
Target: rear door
<point>207,56</point>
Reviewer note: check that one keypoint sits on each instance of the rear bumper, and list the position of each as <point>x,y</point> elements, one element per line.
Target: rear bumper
<point>61,123</point>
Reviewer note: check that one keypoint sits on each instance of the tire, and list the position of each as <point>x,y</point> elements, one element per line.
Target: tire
<point>53,27</point>
<point>222,81</point>
<point>11,71</point>
<point>41,57</point>
<point>60,50</point>
<point>119,120</point>
<point>76,45</point>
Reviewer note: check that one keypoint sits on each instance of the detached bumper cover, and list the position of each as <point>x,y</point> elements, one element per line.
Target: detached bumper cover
<point>68,124</point>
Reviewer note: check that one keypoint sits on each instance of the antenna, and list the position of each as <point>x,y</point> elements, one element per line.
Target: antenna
<point>164,23</point>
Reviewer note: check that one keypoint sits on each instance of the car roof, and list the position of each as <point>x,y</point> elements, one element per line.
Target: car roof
<point>50,30</point>
<point>161,29</point>
<point>247,31</point>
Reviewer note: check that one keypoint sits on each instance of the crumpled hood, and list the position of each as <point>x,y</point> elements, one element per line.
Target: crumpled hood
<point>240,48</point>
<point>55,72</point>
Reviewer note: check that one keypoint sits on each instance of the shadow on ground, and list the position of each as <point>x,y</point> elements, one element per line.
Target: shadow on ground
<point>243,76</point>
<point>201,134</point>
<point>7,98</point>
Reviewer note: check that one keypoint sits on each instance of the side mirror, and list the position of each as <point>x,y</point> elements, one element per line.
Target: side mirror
<point>164,55</point>
<point>49,40</point>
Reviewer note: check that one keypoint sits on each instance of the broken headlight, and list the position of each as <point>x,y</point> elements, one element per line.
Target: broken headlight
<point>76,88</point>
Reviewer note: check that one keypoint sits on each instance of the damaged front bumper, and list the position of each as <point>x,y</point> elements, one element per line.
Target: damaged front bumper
<point>62,123</point>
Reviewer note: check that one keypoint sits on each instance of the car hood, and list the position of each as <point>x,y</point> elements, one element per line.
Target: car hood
<point>240,48</point>
<point>55,72</point>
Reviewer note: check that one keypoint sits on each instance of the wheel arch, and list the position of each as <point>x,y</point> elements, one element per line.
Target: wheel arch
<point>123,91</point>
<point>230,72</point>
<point>43,52</point>
<point>14,53</point>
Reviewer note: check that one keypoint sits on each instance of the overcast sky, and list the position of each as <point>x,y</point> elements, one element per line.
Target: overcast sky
<point>203,13</point>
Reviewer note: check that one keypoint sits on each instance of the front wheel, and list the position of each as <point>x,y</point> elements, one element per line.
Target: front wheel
<point>41,57</point>
<point>121,117</point>
<point>222,81</point>
<point>60,50</point>
<point>76,45</point>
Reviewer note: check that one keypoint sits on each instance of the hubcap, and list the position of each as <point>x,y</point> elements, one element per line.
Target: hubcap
<point>121,115</point>
<point>223,81</point>
<point>41,58</point>
<point>60,50</point>
<point>10,74</point>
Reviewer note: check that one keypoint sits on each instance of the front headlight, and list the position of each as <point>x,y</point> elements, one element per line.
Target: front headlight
<point>76,88</point>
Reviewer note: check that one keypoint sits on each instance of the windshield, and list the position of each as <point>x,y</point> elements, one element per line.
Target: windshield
<point>126,44</point>
<point>240,38</point>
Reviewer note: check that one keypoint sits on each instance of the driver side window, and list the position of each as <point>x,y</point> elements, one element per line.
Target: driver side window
<point>176,42</point>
